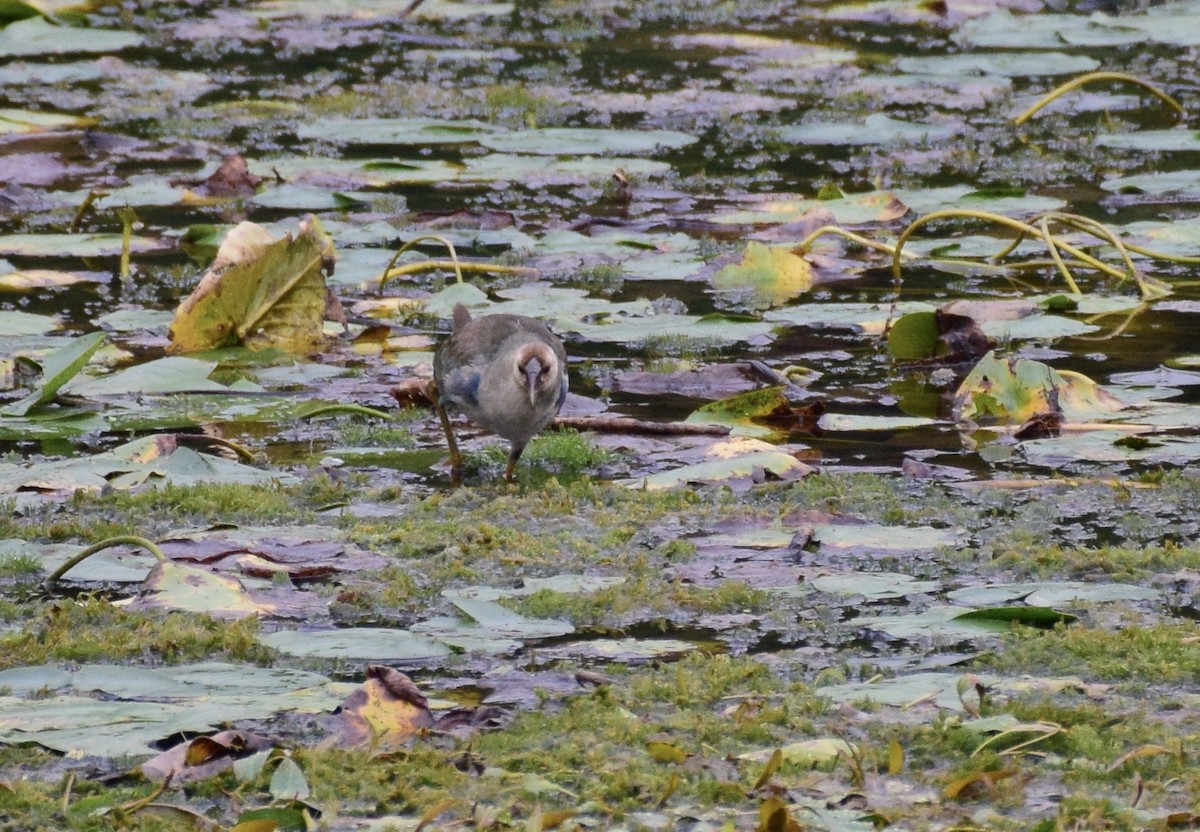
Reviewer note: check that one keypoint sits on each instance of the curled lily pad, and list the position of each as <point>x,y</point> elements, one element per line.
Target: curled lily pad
<point>259,291</point>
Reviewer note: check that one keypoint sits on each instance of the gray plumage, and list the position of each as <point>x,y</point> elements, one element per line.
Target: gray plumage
<point>506,373</point>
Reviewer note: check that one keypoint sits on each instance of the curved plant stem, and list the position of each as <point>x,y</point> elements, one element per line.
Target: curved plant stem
<point>346,408</point>
<point>449,247</point>
<point>849,235</point>
<point>1088,78</point>
<point>123,540</point>
<point>1183,259</point>
<point>1052,247</point>
<point>1000,219</point>
<point>1124,325</point>
<point>429,265</point>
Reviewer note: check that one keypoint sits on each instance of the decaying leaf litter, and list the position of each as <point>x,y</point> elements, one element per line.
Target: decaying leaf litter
<point>989,624</point>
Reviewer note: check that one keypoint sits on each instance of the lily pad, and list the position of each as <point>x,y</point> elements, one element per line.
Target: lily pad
<point>766,276</point>
<point>361,643</point>
<point>875,129</point>
<point>396,131</point>
<point>584,141</point>
<point>259,292</point>
<point>37,36</point>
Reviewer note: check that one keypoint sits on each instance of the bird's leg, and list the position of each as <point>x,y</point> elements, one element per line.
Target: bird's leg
<point>513,456</point>
<point>455,456</point>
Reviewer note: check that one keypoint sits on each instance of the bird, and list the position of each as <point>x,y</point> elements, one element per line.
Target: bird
<point>506,373</point>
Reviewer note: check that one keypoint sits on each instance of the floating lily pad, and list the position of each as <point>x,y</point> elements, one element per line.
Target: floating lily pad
<point>174,374</point>
<point>1156,184</point>
<point>14,324</point>
<point>876,129</point>
<point>1014,390</point>
<point>396,131</point>
<point>873,585</point>
<point>1169,141</point>
<point>863,422</point>
<point>361,643</point>
<point>29,121</point>
<point>584,141</point>
<point>36,36</point>
<point>1007,64</point>
<point>766,276</point>
<point>773,462</point>
<point>75,245</point>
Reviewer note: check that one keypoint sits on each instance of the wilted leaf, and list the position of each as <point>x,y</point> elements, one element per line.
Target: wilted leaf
<point>975,785</point>
<point>203,757</point>
<point>259,292</point>
<point>384,712</point>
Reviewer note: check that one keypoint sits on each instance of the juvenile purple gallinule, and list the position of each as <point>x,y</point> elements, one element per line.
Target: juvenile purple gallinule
<point>507,373</point>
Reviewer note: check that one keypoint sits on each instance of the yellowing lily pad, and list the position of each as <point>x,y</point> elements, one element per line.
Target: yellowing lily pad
<point>1014,390</point>
<point>767,276</point>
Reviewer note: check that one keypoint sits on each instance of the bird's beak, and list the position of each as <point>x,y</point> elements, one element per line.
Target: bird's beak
<point>532,370</point>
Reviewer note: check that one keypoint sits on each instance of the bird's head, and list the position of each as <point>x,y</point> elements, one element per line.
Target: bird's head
<point>537,370</point>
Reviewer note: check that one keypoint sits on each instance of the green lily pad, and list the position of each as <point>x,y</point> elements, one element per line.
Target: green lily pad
<point>1002,29</point>
<point>396,131</point>
<point>37,36</point>
<point>360,643</point>
<point>1161,141</point>
<point>1007,64</point>
<point>1156,184</point>
<point>875,129</point>
<point>585,141</point>
<point>75,245</point>
<point>739,412</point>
<point>174,374</point>
<point>15,324</point>
<point>873,585</point>
<point>940,689</point>
<point>774,462</point>
<point>864,422</point>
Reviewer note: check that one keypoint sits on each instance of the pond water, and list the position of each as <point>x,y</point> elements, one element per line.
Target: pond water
<point>631,152</point>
